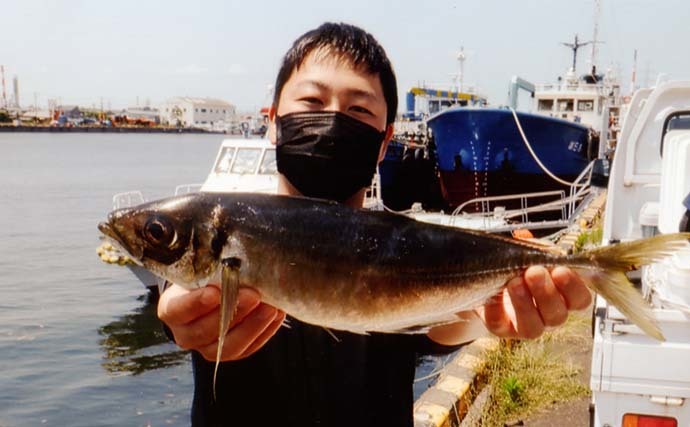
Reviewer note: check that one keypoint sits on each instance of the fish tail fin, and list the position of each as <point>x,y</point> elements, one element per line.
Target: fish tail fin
<point>603,269</point>
<point>617,290</point>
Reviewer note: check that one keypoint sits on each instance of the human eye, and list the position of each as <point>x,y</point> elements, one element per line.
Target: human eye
<point>311,100</point>
<point>361,110</point>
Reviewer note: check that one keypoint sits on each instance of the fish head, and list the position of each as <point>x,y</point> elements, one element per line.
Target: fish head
<point>173,238</point>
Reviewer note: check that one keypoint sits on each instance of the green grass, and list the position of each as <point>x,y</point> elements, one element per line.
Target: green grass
<point>588,239</point>
<point>530,376</point>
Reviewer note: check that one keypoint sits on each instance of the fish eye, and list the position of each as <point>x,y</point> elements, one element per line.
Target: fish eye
<point>159,231</point>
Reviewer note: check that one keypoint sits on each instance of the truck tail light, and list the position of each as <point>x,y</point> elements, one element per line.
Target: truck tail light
<point>638,420</point>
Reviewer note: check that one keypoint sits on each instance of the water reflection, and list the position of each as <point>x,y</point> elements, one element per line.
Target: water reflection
<point>135,343</point>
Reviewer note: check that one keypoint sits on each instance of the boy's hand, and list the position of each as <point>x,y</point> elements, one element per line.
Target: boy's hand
<point>193,318</point>
<point>537,300</point>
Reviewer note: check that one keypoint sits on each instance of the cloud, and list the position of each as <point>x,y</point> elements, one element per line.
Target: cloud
<point>237,69</point>
<point>191,69</point>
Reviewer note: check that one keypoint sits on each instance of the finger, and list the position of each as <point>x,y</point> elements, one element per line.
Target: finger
<point>243,334</point>
<point>528,322</point>
<point>265,336</point>
<point>573,289</point>
<point>203,331</point>
<point>549,302</point>
<point>496,318</point>
<point>178,306</point>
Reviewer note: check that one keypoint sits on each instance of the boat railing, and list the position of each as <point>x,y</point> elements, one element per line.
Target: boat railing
<point>127,199</point>
<point>187,188</point>
<point>560,87</point>
<point>493,207</point>
<point>489,205</point>
<point>579,190</point>
<point>372,196</point>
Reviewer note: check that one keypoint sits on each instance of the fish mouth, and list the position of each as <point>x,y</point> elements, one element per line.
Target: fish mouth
<point>111,234</point>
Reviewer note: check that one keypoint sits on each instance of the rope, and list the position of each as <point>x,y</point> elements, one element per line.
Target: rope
<point>534,155</point>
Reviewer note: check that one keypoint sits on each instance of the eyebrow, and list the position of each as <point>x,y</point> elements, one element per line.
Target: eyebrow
<point>359,93</point>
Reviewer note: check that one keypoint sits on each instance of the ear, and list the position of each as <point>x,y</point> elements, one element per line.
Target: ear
<point>386,140</point>
<point>272,124</point>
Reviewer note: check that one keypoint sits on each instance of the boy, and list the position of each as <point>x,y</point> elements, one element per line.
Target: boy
<point>336,88</point>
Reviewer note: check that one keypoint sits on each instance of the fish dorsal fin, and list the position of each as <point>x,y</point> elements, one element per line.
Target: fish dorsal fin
<point>531,243</point>
<point>543,245</point>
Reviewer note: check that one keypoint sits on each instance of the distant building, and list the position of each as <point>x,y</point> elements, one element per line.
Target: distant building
<point>207,113</point>
<point>143,113</point>
<point>70,111</point>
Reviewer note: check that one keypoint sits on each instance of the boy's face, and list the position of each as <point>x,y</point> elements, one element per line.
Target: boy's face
<point>325,82</point>
<point>330,83</point>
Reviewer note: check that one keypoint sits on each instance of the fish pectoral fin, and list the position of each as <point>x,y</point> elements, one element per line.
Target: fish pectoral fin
<point>230,285</point>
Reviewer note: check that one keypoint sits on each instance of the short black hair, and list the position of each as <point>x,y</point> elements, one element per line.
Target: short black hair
<point>350,42</point>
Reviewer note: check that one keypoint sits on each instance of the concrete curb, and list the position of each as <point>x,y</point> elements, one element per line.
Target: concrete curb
<point>584,221</point>
<point>449,396</point>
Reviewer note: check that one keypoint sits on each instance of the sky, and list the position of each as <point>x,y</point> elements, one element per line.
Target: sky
<point>134,52</point>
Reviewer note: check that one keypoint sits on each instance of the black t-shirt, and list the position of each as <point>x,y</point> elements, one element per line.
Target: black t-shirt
<point>304,377</point>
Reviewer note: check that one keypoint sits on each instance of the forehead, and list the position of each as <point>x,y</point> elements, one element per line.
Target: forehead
<point>325,63</point>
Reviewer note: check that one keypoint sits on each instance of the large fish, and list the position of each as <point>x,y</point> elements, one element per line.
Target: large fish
<point>352,269</point>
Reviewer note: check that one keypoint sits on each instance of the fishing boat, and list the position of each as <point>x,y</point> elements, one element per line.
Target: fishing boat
<point>491,152</point>
<point>495,151</point>
<point>241,165</point>
<point>409,172</point>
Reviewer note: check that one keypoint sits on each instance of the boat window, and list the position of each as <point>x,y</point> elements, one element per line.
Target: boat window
<point>545,105</point>
<point>225,160</point>
<point>565,105</point>
<point>268,164</point>
<point>585,105</point>
<point>434,107</point>
<point>246,160</point>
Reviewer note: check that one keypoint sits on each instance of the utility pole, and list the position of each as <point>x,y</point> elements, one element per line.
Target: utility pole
<point>4,90</point>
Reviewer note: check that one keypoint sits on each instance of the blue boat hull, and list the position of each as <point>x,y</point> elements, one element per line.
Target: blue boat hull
<point>480,152</point>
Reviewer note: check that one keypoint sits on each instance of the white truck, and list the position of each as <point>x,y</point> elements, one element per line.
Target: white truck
<point>637,381</point>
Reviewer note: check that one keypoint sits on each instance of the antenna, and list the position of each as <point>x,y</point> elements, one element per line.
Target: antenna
<point>597,14</point>
<point>575,46</point>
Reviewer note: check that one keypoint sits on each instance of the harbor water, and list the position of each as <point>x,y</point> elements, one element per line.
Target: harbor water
<point>80,344</point>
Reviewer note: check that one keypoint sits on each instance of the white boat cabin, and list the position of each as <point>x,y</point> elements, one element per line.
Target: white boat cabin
<point>578,100</point>
<point>243,165</point>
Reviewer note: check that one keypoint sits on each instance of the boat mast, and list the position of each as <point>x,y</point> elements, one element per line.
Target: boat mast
<point>597,13</point>
<point>461,58</point>
<point>634,73</point>
<point>575,46</point>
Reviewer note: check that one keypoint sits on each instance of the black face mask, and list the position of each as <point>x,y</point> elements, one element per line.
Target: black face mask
<point>327,154</point>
